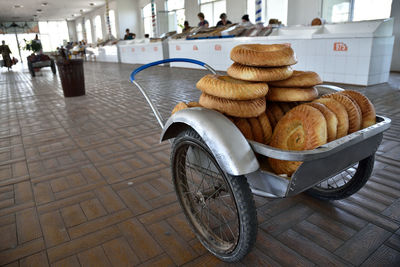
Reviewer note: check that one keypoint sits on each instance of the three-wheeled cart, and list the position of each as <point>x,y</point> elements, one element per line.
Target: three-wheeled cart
<point>216,171</point>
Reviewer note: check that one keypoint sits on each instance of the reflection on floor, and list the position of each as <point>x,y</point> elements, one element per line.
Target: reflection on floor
<point>85,181</point>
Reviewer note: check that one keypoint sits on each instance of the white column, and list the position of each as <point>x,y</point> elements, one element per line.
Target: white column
<point>395,14</point>
<point>236,9</point>
<point>128,17</point>
<point>192,8</point>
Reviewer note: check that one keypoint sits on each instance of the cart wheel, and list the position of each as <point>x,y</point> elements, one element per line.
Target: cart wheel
<point>345,183</point>
<point>219,207</point>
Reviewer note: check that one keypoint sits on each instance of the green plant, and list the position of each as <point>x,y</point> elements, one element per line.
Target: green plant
<point>32,46</point>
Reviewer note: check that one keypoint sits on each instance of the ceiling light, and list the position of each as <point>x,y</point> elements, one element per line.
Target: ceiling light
<point>92,4</point>
<point>44,4</point>
<point>72,15</point>
<point>18,6</point>
<point>38,10</point>
<point>82,10</point>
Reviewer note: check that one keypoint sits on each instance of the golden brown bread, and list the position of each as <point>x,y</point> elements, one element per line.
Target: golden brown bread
<point>193,104</point>
<point>367,108</point>
<point>230,88</point>
<point>276,111</point>
<point>263,55</point>
<point>256,129</point>
<point>351,108</point>
<point>330,117</point>
<point>341,115</point>
<point>266,127</point>
<point>302,128</point>
<point>259,74</point>
<point>282,94</point>
<point>299,79</point>
<point>245,127</point>
<point>236,108</point>
<point>271,117</point>
<point>179,106</point>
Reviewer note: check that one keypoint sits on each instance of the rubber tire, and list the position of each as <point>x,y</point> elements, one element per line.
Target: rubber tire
<point>359,179</point>
<point>244,201</point>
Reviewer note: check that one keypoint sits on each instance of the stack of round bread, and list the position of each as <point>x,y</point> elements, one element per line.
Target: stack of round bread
<point>312,124</point>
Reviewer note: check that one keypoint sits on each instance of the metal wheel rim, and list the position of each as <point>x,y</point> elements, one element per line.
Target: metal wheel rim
<point>197,203</point>
<point>339,181</point>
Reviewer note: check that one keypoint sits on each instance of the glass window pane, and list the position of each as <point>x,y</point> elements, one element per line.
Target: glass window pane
<point>371,9</point>
<point>205,1</point>
<point>112,23</point>
<point>175,4</point>
<point>219,8</point>
<point>336,10</point>
<point>98,28</point>
<point>180,17</point>
<point>251,10</point>
<point>88,29</point>
<point>207,10</point>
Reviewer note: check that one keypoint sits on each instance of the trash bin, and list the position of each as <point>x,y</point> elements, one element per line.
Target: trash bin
<point>72,77</point>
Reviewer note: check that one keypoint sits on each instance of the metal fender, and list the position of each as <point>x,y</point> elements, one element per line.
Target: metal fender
<point>229,147</point>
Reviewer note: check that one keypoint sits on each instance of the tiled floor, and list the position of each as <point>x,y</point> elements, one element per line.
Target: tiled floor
<point>84,181</point>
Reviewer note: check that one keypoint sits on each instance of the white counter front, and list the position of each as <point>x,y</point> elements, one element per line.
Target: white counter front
<point>140,53</point>
<point>361,58</point>
<point>108,53</point>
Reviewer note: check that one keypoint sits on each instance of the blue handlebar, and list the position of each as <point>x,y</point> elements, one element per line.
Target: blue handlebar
<point>168,60</point>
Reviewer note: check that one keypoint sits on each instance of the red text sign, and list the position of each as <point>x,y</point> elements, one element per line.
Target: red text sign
<point>339,46</point>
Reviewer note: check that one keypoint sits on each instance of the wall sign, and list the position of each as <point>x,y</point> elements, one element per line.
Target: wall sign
<point>339,46</point>
<point>218,47</point>
<point>195,48</point>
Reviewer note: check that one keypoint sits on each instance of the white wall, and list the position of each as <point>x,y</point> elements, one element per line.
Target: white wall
<point>396,31</point>
<point>303,11</point>
<point>277,9</point>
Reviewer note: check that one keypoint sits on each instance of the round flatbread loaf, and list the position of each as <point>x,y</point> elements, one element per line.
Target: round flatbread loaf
<point>276,110</point>
<point>236,108</point>
<point>282,94</point>
<point>341,115</point>
<point>259,74</point>
<point>352,110</point>
<point>299,79</point>
<point>179,106</point>
<point>302,128</point>
<point>245,127</point>
<point>330,117</point>
<point>367,108</point>
<point>285,106</point>
<point>256,129</point>
<point>230,88</point>
<point>271,117</point>
<point>263,55</point>
<point>193,105</point>
<point>266,128</point>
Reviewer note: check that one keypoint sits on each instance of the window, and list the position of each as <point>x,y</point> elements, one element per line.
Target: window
<point>251,10</point>
<point>54,34</point>
<point>147,19</point>
<point>371,9</point>
<point>212,9</point>
<point>336,10</point>
<point>355,10</point>
<point>97,28</point>
<point>88,28</point>
<point>79,31</point>
<point>111,15</point>
<point>176,14</point>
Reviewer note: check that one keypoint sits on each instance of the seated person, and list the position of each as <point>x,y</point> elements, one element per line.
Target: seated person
<point>203,23</point>
<point>223,21</point>
<point>128,35</point>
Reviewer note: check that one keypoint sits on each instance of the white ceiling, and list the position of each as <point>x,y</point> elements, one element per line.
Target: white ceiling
<point>55,9</point>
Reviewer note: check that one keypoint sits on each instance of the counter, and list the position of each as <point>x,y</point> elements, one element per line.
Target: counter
<point>352,53</point>
<point>140,52</point>
<point>107,53</point>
